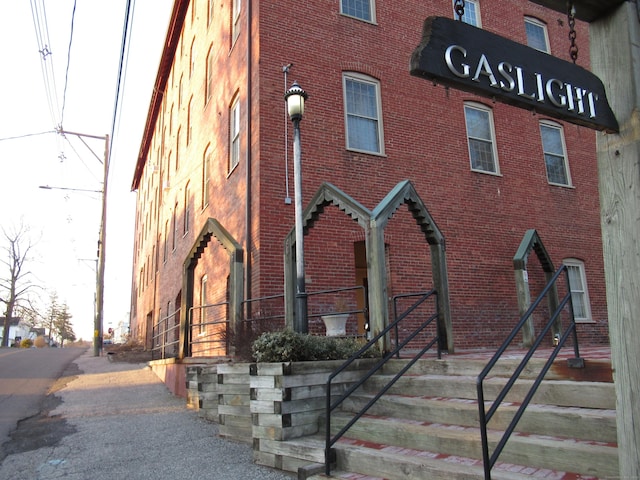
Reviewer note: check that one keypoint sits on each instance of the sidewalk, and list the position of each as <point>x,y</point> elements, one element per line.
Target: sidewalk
<point>117,420</point>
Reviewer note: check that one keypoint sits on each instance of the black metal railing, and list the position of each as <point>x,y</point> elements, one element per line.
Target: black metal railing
<point>486,415</point>
<point>166,337</point>
<point>263,313</point>
<point>339,301</point>
<point>331,406</point>
<point>208,329</point>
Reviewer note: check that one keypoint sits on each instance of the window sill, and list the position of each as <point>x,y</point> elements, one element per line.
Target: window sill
<point>366,152</point>
<point>561,185</point>
<point>484,172</point>
<point>370,22</point>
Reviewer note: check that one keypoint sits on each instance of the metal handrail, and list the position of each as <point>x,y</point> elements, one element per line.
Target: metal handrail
<point>485,416</point>
<point>329,440</point>
<point>203,337</point>
<point>159,343</point>
<point>324,310</point>
<point>248,316</point>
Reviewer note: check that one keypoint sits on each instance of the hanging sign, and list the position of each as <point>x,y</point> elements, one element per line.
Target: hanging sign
<point>461,56</point>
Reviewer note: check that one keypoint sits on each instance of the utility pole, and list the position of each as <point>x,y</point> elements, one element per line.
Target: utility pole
<point>614,42</point>
<point>615,50</point>
<point>102,240</point>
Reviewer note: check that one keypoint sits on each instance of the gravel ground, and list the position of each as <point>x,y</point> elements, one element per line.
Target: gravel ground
<point>115,420</point>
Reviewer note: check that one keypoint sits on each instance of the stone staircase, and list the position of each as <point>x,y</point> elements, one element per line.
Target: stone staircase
<point>426,426</point>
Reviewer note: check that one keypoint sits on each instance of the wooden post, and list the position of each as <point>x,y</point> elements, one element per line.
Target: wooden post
<point>615,58</point>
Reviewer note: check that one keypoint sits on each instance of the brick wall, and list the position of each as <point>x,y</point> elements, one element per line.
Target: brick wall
<point>483,217</point>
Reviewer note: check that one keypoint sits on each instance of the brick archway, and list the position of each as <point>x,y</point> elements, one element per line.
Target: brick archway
<point>373,223</point>
<point>212,229</point>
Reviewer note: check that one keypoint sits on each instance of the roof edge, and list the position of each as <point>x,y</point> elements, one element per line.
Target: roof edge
<point>172,39</point>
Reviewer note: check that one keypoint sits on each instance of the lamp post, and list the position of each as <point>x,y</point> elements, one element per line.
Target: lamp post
<point>295,98</point>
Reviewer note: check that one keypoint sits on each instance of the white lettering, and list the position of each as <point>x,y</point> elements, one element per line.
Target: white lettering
<point>484,69</point>
<point>580,93</point>
<point>540,86</point>
<point>560,100</point>
<point>570,105</point>
<point>592,104</point>
<point>449,61</point>
<point>520,78</point>
<point>515,80</point>
<point>504,69</point>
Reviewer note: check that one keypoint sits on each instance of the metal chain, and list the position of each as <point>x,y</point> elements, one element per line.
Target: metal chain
<point>459,8</point>
<point>571,16</point>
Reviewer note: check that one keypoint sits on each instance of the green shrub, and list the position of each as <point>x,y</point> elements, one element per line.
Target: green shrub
<point>289,346</point>
<point>26,343</point>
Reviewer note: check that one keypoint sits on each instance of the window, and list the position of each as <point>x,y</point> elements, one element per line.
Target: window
<point>187,209</point>
<point>166,323</point>
<point>189,128</point>
<point>481,138</point>
<point>209,76</point>
<point>362,9</point>
<point>234,130</point>
<point>210,7</point>
<point>167,182</point>
<point>192,57</point>
<point>471,13</point>
<point>579,293</point>
<point>177,162</point>
<point>363,118</point>
<point>206,162</point>
<point>203,303</point>
<point>536,34</point>
<point>235,19</point>
<point>165,253</point>
<point>174,230</point>
<point>555,157</point>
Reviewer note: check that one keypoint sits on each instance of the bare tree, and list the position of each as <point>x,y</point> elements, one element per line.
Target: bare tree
<point>15,286</point>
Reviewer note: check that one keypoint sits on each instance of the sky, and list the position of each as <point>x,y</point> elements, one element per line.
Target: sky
<point>60,68</point>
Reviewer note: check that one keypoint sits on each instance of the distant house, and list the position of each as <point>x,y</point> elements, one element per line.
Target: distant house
<point>18,330</point>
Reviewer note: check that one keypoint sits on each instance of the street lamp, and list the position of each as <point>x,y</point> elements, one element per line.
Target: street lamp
<point>295,98</point>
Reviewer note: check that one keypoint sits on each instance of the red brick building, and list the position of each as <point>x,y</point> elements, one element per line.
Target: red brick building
<point>215,172</point>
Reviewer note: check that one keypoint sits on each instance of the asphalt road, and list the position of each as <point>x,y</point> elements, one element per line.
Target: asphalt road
<point>26,376</point>
<point>115,420</point>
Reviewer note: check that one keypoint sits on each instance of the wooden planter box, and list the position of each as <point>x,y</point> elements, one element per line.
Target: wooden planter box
<point>287,401</point>
<point>202,390</point>
<point>267,404</point>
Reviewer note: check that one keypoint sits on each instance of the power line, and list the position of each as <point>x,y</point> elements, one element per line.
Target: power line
<point>17,137</point>
<point>122,66</point>
<point>66,76</point>
<point>39,16</point>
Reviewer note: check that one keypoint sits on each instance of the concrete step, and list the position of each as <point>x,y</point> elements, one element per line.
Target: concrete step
<point>568,393</point>
<point>595,369</point>
<point>538,452</point>
<point>368,461</point>
<point>573,422</point>
<point>426,426</point>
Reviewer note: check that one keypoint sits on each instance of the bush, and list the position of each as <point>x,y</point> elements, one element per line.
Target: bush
<point>289,346</point>
<point>40,342</point>
<point>26,343</point>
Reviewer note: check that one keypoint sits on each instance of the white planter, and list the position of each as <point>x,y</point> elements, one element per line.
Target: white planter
<point>335,324</point>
